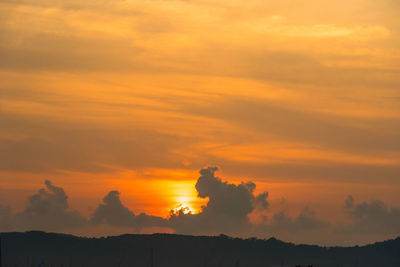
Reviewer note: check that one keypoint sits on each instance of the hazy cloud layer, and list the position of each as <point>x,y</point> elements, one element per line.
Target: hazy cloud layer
<point>306,220</point>
<point>49,145</point>
<point>44,145</point>
<point>330,131</point>
<point>321,76</point>
<point>227,211</point>
<point>372,217</point>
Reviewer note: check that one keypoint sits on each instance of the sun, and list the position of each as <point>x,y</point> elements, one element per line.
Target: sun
<point>184,199</point>
<point>182,208</point>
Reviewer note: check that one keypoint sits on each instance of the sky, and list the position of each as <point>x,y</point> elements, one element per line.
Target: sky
<point>253,118</point>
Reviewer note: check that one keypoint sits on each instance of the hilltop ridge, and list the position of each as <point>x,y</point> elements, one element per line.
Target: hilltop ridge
<point>165,250</point>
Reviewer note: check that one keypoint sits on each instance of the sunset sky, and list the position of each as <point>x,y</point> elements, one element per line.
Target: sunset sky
<point>119,104</point>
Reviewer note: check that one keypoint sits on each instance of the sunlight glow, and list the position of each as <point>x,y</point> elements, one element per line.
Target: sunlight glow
<point>182,208</point>
<point>184,205</point>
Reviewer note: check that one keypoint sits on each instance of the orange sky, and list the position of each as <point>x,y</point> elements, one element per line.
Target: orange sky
<point>300,97</point>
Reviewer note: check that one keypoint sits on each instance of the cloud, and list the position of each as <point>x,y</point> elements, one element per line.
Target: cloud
<point>306,220</point>
<point>5,217</point>
<point>304,126</point>
<point>69,53</point>
<point>304,227</point>
<point>227,209</point>
<point>49,145</point>
<point>235,201</point>
<point>261,201</point>
<point>113,212</point>
<point>80,35</point>
<point>372,217</point>
<point>48,209</point>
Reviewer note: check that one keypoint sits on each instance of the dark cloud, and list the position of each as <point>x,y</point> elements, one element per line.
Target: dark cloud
<point>46,210</point>
<point>261,201</point>
<point>306,220</point>
<point>235,201</point>
<point>227,209</point>
<point>113,212</point>
<point>372,217</point>
<point>144,220</point>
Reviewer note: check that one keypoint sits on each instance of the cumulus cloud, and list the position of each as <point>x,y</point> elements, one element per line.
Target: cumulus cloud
<point>372,217</point>
<point>114,213</point>
<point>230,200</point>
<point>48,209</point>
<point>227,211</point>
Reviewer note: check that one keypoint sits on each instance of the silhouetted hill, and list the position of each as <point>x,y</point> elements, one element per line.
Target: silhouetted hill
<point>165,250</point>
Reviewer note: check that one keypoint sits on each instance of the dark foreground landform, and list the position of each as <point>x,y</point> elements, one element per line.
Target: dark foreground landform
<point>30,249</point>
